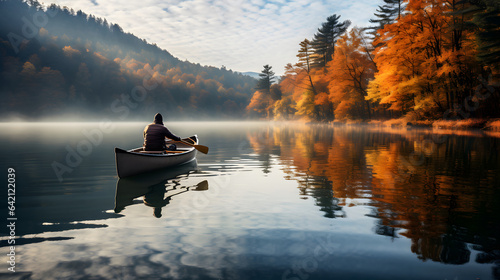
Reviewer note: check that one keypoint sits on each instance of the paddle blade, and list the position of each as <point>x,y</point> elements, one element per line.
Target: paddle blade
<point>202,186</point>
<point>201,148</point>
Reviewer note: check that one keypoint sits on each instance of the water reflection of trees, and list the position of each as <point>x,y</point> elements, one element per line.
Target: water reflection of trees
<point>439,192</point>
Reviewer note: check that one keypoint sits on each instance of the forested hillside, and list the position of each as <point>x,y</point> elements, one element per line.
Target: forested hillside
<point>56,61</point>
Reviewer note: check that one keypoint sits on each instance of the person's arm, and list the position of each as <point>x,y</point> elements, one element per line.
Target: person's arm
<point>170,135</point>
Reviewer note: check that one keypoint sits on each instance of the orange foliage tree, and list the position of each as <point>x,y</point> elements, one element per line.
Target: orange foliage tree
<point>349,73</point>
<point>261,103</point>
<point>419,59</point>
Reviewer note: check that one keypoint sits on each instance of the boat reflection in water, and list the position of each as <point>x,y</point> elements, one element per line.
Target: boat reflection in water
<point>157,188</point>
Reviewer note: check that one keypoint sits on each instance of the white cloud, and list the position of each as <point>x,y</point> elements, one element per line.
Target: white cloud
<point>242,35</point>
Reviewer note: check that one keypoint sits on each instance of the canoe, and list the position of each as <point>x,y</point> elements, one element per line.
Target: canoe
<point>137,161</point>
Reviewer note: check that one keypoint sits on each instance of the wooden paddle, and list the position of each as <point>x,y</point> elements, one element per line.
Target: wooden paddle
<point>201,148</point>
<point>201,186</point>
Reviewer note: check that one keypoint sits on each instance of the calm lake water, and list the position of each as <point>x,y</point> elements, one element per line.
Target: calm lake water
<point>269,201</point>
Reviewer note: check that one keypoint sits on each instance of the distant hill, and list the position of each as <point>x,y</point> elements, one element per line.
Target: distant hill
<point>254,75</point>
<point>56,61</point>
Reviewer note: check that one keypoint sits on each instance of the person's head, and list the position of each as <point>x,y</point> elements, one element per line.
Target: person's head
<point>119,209</point>
<point>158,119</point>
<point>157,212</point>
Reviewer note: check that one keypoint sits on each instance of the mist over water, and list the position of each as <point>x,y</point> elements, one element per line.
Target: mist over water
<point>269,201</point>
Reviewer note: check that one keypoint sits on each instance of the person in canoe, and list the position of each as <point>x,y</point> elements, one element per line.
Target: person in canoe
<point>155,134</point>
<point>156,199</point>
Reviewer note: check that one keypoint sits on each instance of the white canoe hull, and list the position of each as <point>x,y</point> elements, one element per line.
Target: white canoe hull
<point>134,162</point>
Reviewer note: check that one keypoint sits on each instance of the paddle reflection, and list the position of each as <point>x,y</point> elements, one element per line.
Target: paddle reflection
<point>157,188</point>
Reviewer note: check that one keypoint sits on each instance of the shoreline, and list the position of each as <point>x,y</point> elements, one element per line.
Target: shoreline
<point>492,125</point>
<point>469,127</point>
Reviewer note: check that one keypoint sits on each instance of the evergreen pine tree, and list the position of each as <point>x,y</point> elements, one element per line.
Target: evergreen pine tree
<point>266,80</point>
<point>323,43</point>
<point>386,14</point>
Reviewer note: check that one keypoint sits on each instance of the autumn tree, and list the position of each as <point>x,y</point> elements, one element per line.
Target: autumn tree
<point>284,109</point>
<point>312,103</point>
<point>292,83</point>
<point>305,106</point>
<point>305,60</point>
<point>349,73</point>
<point>291,88</point>
<point>302,76</point>
<point>267,94</point>
<point>261,104</point>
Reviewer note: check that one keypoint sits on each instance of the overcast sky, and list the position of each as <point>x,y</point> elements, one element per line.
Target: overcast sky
<point>243,35</point>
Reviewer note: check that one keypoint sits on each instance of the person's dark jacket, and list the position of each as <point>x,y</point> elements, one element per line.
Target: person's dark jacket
<point>154,137</point>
